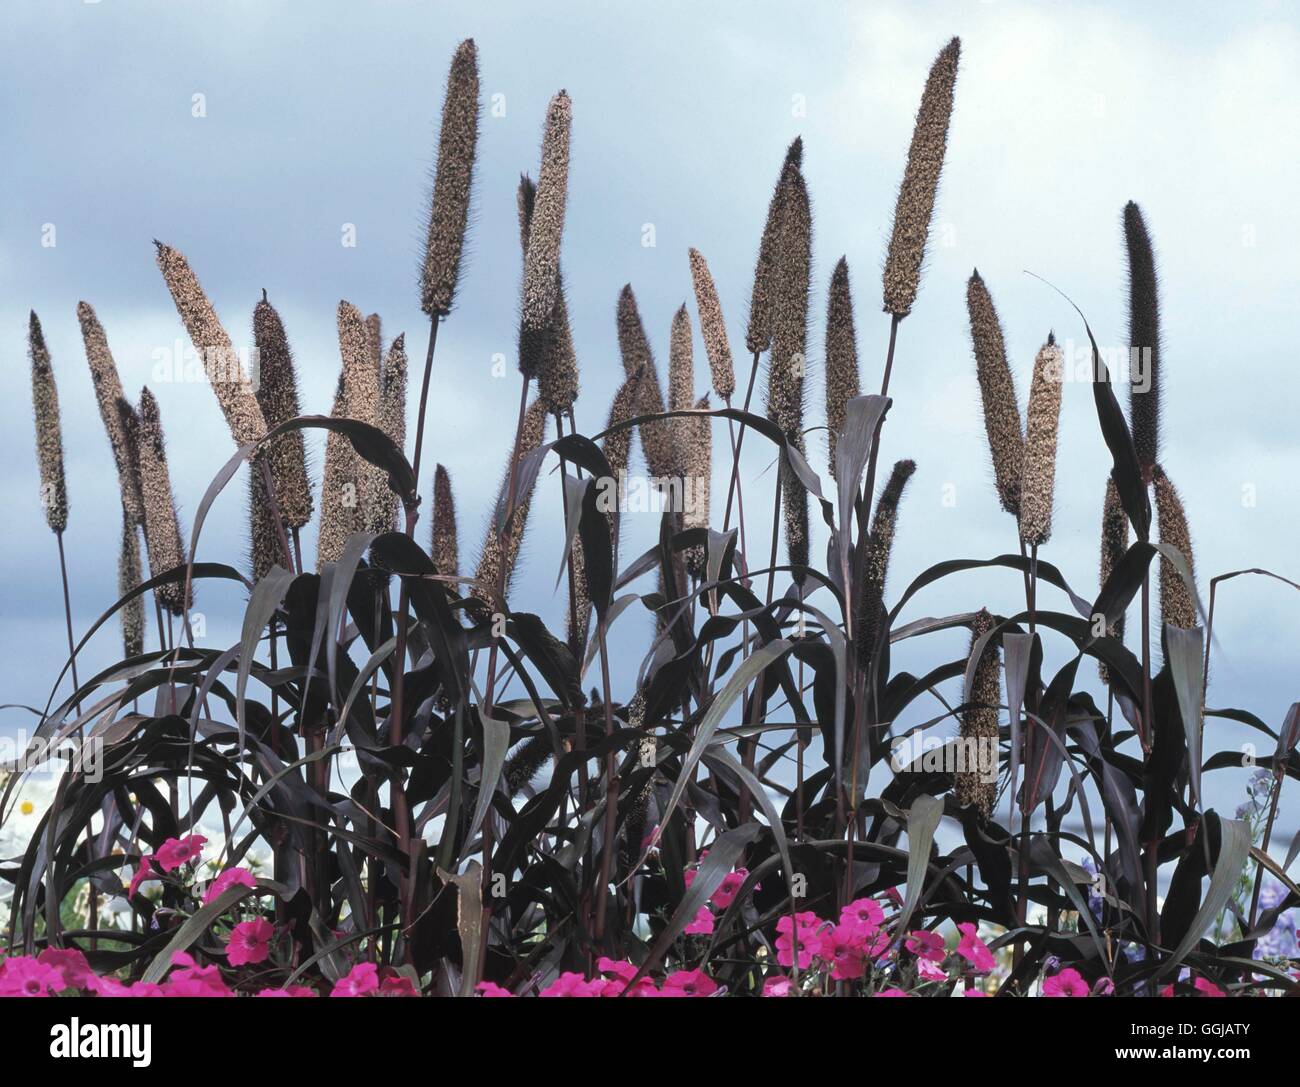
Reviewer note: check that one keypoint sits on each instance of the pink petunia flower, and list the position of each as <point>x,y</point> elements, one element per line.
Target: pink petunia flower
<point>1104,987</point>
<point>194,980</point>
<point>778,985</point>
<point>395,984</point>
<point>177,851</point>
<point>930,971</point>
<point>689,983</point>
<point>71,965</point>
<point>104,986</point>
<point>702,925</point>
<point>25,976</point>
<point>1206,987</point>
<point>926,945</point>
<point>730,886</point>
<point>361,980</point>
<point>231,877</point>
<point>491,988</point>
<point>1069,982</point>
<point>571,984</point>
<point>804,927</point>
<point>250,942</point>
<point>844,947</point>
<point>866,912</point>
<point>292,991</point>
<point>145,871</point>
<point>890,992</point>
<point>973,949</point>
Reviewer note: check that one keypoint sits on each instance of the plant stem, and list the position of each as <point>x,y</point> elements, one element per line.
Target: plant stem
<point>67,616</point>
<point>611,792</point>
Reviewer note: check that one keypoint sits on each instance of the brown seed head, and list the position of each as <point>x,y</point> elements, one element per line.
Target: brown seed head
<point>788,361</point>
<point>49,434</point>
<point>697,455</point>
<point>277,396</point>
<point>1038,478</point>
<point>1114,543</point>
<point>128,577</point>
<point>713,328</point>
<point>841,355</point>
<point>976,783</point>
<point>452,184</point>
<point>916,195</point>
<point>339,494</point>
<point>162,529</point>
<point>443,547</point>
<point>880,545</point>
<point>225,372</point>
<point>497,560</point>
<point>546,227</point>
<point>997,394</point>
<point>557,375</point>
<point>1144,338</point>
<point>108,391</point>
<point>1177,607</point>
<point>762,299</point>
<point>656,437</point>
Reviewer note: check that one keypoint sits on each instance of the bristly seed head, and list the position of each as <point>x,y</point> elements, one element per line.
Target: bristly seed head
<point>977,785</point>
<point>128,577</point>
<point>1144,338</point>
<point>1177,606</point>
<point>792,269</point>
<point>557,374</point>
<point>841,355</point>
<point>225,372</point>
<point>713,328</point>
<point>277,396</point>
<point>108,391</point>
<point>920,183</point>
<point>1038,478</point>
<point>49,433</point>
<point>452,184</point>
<point>443,545</point>
<point>634,346</point>
<point>162,530</point>
<point>762,299</point>
<point>1114,545</point>
<point>997,394</point>
<point>880,545</point>
<point>697,439</point>
<point>546,227</point>
<point>496,564</point>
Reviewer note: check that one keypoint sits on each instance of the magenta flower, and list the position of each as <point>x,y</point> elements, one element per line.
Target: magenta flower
<point>804,926</point>
<point>1069,982</point>
<point>292,991</point>
<point>361,980</point>
<point>778,985</point>
<point>71,965</point>
<point>890,992</point>
<point>973,949</point>
<point>1206,987</point>
<point>930,971</point>
<point>250,942</point>
<point>974,992</point>
<point>194,980</point>
<point>570,984</point>
<point>730,886</point>
<point>844,947</point>
<point>25,976</point>
<point>178,851</point>
<point>926,945</point>
<point>702,925</point>
<point>144,872</point>
<point>491,988</point>
<point>866,912</point>
<point>395,984</point>
<point>1104,987</point>
<point>689,983</point>
<point>231,877</point>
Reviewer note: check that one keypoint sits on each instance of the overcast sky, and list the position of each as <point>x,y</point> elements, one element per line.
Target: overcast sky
<point>319,115</point>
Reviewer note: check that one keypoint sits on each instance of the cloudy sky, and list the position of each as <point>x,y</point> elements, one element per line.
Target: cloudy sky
<point>249,135</point>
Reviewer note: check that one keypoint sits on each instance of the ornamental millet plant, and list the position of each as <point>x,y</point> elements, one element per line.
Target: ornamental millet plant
<point>719,813</point>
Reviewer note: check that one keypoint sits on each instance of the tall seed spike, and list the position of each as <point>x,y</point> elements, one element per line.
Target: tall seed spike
<point>841,355</point>
<point>444,548</point>
<point>1114,544</point>
<point>49,432</point>
<point>361,402</point>
<point>880,545</point>
<point>698,457</point>
<point>277,396</point>
<point>225,372</point>
<point>338,494</point>
<point>108,391</point>
<point>634,346</point>
<point>1177,607</point>
<point>787,363</point>
<point>1038,479</point>
<point>916,195</point>
<point>977,784</point>
<point>557,375</point>
<point>162,529</point>
<point>758,337</point>
<point>546,228</point>
<point>997,394</point>
<point>263,540</point>
<point>496,555</point>
<point>382,500</point>
<point>713,328</point>
<point>1144,338</point>
<point>128,577</point>
<point>453,183</point>
<point>681,362</point>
